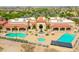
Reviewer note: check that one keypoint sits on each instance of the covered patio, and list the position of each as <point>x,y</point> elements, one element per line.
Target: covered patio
<point>15,27</point>
<point>61,27</point>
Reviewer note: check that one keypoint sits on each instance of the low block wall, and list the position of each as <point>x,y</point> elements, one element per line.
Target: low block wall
<point>62,44</point>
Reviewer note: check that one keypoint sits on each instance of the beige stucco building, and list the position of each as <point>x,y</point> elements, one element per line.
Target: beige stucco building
<point>61,24</point>
<point>40,24</point>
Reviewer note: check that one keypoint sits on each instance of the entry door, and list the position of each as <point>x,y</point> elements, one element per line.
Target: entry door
<point>41,27</point>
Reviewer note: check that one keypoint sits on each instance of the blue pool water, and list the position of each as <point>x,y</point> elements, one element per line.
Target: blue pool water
<point>68,38</point>
<point>21,35</point>
<point>41,39</point>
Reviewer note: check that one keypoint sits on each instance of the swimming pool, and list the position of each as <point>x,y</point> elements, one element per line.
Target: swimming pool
<point>21,35</point>
<point>41,39</point>
<point>65,40</point>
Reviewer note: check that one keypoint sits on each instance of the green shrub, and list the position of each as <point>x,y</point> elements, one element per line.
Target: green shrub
<point>36,34</point>
<point>30,31</point>
<point>47,34</point>
<point>45,29</point>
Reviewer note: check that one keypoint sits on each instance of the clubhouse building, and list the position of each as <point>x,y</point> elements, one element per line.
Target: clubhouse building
<point>40,24</point>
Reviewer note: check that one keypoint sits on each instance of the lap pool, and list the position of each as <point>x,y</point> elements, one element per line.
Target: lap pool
<point>20,35</point>
<point>65,40</point>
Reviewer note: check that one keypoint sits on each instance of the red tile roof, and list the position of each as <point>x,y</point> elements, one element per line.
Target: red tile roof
<point>33,22</point>
<point>61,25</point>
<point>41,20</point>
<point>19,25</point>
<point>2,22</point>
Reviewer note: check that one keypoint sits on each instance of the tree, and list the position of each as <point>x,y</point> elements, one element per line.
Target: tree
<point>15,31</point>
<point>36,12</point>
<point>34,27</point>
<point>76,20</point>
<point>48,27</point>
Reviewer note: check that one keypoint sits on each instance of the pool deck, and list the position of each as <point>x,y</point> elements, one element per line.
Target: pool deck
<point>14,46</point>
<point>33,38</point>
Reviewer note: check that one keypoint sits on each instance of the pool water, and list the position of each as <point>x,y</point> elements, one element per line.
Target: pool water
<point>41,39</point>
<point>21,35</point>
<point>68,38</point>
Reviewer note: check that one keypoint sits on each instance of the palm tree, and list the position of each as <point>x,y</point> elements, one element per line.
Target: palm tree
<point>15,31</point>
<point>48,27</point>
<point>76,20</point>
<point>34,27</point>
